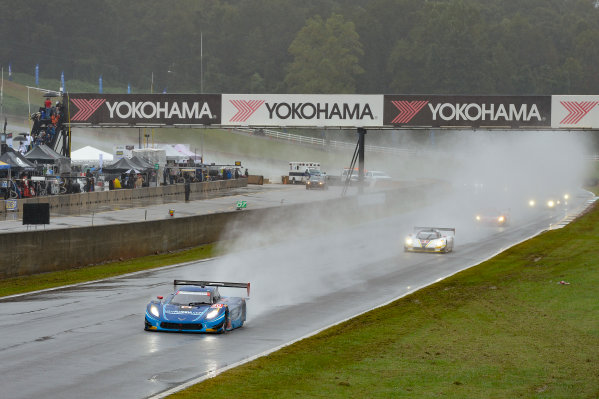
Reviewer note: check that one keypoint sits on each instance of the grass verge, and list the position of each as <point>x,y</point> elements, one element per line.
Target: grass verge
<point>506,328</point>
<point>18,285</point>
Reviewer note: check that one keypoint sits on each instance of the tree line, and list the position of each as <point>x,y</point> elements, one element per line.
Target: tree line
<point>311,46</point>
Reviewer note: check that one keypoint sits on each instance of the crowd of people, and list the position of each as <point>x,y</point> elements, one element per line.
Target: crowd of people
<point>26,186</point>
<point>172,175</point>
<point>127,180</point>
<point>46,122</point>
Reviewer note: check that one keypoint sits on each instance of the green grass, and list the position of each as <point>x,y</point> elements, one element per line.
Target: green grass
<point>504,329</point>
<point>17,285</point>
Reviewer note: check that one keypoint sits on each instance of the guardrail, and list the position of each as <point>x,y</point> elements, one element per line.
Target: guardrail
<point>330,144</point>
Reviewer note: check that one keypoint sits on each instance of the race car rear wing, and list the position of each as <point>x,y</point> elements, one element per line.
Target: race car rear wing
<point>213,284</point>
<point>417,228</point>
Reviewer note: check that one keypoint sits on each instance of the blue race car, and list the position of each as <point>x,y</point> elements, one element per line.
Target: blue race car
<point>197,306</point>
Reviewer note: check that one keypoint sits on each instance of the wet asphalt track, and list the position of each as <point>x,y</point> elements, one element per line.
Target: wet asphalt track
<point>88,341</point>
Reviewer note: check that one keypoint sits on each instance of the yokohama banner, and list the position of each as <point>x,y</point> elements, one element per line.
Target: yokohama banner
<point>575,112</point>
<point>333,110</point>
<point>306,110</point>
<point>468,111</point>
<point>144,109</point>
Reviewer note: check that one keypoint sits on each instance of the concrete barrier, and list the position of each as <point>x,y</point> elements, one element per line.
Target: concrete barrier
<point>255,179</point>
<point>33,252</point>
<point>92,199</point>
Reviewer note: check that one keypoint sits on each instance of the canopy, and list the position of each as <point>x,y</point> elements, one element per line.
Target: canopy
<point>143,164</point>
<point>122,165</point>
<point>16,160</point>
<point>4,165</point>
<point>89,153</point>
<point>43,154</point>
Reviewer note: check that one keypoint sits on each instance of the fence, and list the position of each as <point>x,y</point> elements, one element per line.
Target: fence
<point>329,144</point>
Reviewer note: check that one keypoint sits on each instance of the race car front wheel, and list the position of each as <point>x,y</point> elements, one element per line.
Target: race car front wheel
<point>147,325</point>
<point>226,323</point>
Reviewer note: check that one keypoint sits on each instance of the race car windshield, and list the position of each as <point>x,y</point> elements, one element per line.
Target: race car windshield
<point>187,298</point>
<point>427,235</point>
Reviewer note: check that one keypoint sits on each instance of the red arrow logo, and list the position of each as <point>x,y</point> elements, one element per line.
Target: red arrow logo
<point>245,109</point>
<point>407,110</point>
<point>86,107</point>
<point>576,111</point>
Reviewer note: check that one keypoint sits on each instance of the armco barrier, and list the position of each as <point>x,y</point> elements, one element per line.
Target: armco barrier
<point>32,252</point>
<point>90,200</point>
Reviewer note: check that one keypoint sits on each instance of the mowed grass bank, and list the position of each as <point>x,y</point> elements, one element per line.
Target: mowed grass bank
<point>504,329</point>
<point>18,285</point>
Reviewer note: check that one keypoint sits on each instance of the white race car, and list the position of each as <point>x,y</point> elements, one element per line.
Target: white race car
<point>430,239</point>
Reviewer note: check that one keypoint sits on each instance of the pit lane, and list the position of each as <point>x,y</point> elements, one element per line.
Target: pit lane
<point>88,340</point>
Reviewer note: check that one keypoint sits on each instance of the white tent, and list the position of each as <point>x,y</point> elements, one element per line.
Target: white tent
<point>171,152</point>
<point>90,154</point>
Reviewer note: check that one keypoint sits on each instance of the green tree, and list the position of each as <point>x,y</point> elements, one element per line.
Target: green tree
<point>326,57</point>
<point>444,54</point>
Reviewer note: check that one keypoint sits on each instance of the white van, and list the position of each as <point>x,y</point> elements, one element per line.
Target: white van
<point>300,171</point>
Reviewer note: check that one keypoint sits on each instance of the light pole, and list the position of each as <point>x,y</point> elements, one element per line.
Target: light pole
<point>201,63</point>
<point>171,71</point>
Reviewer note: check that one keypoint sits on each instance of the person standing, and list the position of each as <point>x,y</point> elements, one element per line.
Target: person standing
<point>187,188</point>
<point>48,105</point>
<point>139,181</point>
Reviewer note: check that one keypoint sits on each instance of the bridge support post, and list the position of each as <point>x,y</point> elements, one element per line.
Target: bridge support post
<point>361,145</point>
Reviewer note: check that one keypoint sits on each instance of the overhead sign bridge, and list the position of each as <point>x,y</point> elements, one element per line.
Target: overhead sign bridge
<point>332,111</point>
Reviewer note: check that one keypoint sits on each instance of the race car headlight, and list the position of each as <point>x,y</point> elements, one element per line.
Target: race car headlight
<point>501,219</point>
<point>531,203</point>
<point>550,203</point>
<point>566,197</point>
<point>212,314</point>
<point>321,183</point>
<point>478,217</point>
<point>439,242</point>
<point>154,311</point>
<point>409,241</point>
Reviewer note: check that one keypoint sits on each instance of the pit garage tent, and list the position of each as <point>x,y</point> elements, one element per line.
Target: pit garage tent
<point>143,164</point>
<point>90,154</point>
<point>42,154</point>
<point>16,161</point>
<point>121,166</point>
